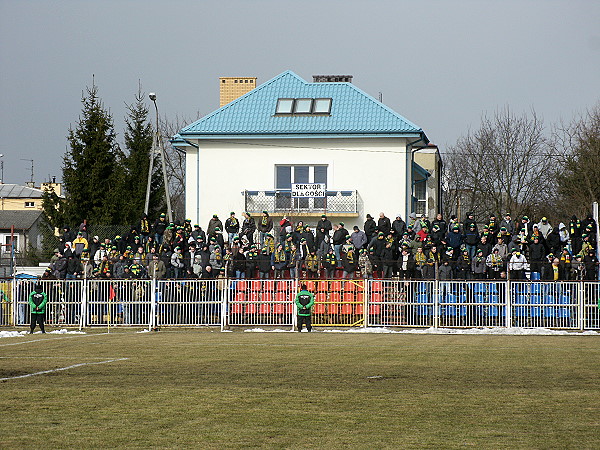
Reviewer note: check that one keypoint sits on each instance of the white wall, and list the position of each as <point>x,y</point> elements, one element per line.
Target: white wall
<point>375,167</point>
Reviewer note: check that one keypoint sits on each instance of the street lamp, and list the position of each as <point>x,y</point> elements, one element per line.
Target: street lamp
<point>157,148</point>
<point>1,168</point>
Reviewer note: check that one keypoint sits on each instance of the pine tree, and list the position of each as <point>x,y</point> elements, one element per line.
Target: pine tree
<point>92,172</point>
<point>138,143</point>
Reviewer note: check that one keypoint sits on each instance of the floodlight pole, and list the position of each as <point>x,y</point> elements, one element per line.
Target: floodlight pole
<point>158,147</point>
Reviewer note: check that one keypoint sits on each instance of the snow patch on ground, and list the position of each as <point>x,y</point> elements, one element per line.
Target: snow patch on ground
<point>497,331</point>
<point>4,334</point>
<point>64,331</point>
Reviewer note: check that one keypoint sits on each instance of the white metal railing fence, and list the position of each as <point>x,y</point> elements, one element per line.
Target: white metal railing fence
<point>189,302</point>
<point>346,303</point>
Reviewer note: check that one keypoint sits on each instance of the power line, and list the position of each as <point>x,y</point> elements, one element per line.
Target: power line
<point>364,150</point>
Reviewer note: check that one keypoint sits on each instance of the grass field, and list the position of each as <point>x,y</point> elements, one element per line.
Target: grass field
<point>205,389</point>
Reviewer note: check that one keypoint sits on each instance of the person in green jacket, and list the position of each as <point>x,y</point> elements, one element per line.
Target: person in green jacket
<point>37,305</point>
<point>304,302</point>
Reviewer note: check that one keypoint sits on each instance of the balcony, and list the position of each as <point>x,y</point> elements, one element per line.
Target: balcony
<point>339,203</point>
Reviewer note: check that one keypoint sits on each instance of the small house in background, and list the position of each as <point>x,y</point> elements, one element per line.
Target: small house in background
<point>14,197</point>
<point>252,153</point>
<point>23,228</point>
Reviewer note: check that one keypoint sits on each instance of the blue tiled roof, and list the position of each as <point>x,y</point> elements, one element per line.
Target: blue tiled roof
<point>352,112</point>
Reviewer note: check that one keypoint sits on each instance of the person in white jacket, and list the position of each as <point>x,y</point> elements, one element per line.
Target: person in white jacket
<point>517,265</point>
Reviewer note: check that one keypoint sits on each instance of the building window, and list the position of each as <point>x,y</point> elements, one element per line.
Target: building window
<point>322,106</point>
<point>285,175</point>
<point>420,197</point>
<point>285,106</point>
<point>222,81</point>
<point>29,204</point>
<point>303,106</point>
<point>318,106</point>
<point>6,240</point>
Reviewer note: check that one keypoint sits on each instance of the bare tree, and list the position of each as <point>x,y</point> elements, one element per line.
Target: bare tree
<point>501,167</point>
<point>175,162</point>
<point>577,149</point>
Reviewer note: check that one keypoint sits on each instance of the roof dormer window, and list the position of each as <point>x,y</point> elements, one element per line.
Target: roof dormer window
<point>322,106</point>
<point>285,106</point>
<point>303,106</point>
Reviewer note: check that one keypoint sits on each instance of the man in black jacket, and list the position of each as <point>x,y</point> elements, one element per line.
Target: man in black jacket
<point>264,264</point>
<point>339,238</point>
<point>399,227</point>
<point>323,228</point>
<point>383,224</point>
<point>370,228</point>
<point>248,228</point>
<point>537,255</point>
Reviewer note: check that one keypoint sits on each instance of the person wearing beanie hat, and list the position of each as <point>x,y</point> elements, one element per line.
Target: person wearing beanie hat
<point>544,227</point>
<point>370,228</point>
<point>160,225</point>
<point>323,229</point>
<point>517,265</point>
<point>265,225</point>
<point>398,226</point>
<point>232,227</point>
<point>339,238</point>
<point>213,223</point>
<point>478,266</point>
<point>248,227</point>
<point>37,306</point>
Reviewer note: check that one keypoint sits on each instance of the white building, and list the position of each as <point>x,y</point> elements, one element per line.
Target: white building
<point>246,155</point>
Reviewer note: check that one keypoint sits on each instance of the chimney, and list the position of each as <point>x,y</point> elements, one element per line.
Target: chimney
<point>231,88</point>
<point>332,78</point>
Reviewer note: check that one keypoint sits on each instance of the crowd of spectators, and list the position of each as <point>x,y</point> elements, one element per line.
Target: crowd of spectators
<point>261,248</point>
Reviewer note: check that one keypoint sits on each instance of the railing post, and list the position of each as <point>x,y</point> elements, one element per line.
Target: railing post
<point>581,305</point>
<point>294,307</point>
<point>13,289</point>
<point>83,308</point>
<point>366,290</point>
<point>153,301</point>
<point>508,302</point>
<point>436,302</point>
<point>224,304</point>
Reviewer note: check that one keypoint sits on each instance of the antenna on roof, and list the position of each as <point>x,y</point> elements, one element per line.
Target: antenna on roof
<point>31,161</point>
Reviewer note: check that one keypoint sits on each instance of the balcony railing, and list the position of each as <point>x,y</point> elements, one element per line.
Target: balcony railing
<point>340,202</point>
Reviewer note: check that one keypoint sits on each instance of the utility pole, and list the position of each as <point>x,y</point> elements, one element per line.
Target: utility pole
<point>158,148</point>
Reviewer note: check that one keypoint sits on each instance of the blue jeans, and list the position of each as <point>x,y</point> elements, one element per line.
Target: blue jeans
<point>336,250</point>
<point>471,249</point>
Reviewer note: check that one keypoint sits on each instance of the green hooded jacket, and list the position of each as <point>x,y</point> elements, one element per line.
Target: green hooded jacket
<point>305,301</point>
<point>37,302</point>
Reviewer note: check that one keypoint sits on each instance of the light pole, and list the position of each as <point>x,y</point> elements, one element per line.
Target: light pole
<point>157,148</point>
<point>1,168</point>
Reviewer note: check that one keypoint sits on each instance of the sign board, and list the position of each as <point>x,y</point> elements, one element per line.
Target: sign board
<point>304,190</point>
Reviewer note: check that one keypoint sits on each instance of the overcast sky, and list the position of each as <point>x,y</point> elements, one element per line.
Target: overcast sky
<point>441,64</point>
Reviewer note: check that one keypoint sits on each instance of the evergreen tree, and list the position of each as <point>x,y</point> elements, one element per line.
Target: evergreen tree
<point>92,172</point>
<point>138,144</point>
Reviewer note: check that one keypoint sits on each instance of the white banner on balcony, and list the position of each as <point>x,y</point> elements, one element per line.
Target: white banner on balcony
<point>307,190</point>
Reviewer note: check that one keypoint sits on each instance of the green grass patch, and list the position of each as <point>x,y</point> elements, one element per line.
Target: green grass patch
<point>197,388</point>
